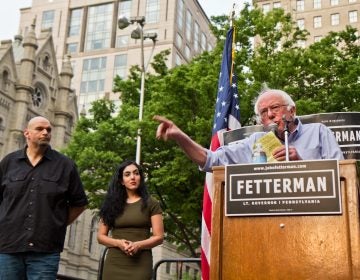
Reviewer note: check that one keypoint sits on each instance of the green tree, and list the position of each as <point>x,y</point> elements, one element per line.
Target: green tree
<point>101,141</point>
<point>321,78</point>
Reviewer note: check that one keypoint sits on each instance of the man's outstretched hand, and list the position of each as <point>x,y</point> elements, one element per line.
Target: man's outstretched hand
<point>166,129</point>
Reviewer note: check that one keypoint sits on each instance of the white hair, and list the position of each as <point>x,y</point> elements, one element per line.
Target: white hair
<point>286,98</point>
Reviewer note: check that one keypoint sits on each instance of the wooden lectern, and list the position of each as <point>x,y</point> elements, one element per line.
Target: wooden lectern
<point>288,247</point>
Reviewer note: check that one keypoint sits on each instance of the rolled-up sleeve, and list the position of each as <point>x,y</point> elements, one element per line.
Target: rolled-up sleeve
<point>239,152</point>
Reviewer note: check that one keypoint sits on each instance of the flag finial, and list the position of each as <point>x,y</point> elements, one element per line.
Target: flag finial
<point>232,15</point>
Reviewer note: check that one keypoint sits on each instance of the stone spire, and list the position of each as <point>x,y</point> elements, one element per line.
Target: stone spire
<point>63,116</point>
<point>24,86</point>
<point>30,46</point>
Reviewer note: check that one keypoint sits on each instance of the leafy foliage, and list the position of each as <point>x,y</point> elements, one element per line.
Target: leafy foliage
<point>321,78</point>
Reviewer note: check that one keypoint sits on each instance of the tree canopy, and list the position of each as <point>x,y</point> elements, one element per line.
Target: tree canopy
<point>323,77</point>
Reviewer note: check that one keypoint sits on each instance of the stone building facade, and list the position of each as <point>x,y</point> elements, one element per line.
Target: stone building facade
<point>31,85</point>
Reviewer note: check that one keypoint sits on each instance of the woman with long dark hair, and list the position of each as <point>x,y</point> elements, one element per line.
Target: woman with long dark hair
<point>126,217</point>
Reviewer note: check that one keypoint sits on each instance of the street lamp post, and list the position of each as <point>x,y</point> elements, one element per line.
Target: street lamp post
<point>138,33</point>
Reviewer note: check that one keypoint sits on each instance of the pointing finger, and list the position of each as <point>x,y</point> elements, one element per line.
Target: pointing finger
<point>161,132</point>
<point>161,119</point>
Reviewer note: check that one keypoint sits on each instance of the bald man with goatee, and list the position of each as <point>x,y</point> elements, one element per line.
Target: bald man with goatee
<point>40,194</point>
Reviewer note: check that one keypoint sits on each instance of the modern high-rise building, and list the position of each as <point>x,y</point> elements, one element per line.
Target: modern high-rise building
<point>88,31</point>
<point>319,17</point>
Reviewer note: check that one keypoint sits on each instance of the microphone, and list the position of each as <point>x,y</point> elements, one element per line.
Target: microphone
<point>286,133</point>
<point>292,120</point>
<point>271,127</point>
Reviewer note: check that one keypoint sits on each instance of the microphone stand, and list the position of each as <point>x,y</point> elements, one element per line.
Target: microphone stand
<point>286,134</point>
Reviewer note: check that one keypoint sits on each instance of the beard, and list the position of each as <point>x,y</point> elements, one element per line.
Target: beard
<point>44,142</point>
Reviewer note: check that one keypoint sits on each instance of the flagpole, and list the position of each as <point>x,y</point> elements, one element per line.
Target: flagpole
<point>226,117</point>
<point>232,17</point>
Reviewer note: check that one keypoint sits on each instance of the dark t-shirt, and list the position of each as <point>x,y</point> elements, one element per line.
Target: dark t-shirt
<point>35,201</point>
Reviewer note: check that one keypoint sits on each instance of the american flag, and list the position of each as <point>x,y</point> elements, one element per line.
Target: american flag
<point>226,117</point>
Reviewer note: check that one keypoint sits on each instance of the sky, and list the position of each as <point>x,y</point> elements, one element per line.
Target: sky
<point>10,13</point>
<point>10,16</point>
<point>217,7</point>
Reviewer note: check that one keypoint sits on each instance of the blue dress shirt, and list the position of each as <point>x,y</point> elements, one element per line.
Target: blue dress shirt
<point>312,141</point>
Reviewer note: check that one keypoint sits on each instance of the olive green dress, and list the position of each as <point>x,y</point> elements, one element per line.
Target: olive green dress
<point>133,225</point>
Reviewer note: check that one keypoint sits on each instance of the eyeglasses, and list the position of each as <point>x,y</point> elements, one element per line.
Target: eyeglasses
<point>273,109</point>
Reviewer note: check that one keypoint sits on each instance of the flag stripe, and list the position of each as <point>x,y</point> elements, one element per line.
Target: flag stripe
<point>207,204</point>
<point>226,117</point>
<point>205,239</point>
<point>205,266</point>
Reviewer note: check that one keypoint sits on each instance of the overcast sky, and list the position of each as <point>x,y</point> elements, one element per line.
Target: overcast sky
<point>10,13</point>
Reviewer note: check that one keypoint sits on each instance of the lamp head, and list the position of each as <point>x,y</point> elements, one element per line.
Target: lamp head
<point>136,33</point>
<point>139,19</point>
<point>152,36</point>
<point>123,22</point>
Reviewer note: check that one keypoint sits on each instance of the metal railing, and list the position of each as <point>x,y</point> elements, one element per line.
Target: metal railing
<point>101,264</point>
<point>64,277</point>
<point>173,260</point>
<point>156,266</point>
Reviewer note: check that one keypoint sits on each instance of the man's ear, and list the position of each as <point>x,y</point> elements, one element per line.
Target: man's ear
<point>26,132</point>
<point>293,110</point>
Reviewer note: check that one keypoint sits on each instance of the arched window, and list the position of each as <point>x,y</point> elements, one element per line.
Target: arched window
<point>5,80</point>
<point>2,127</point>
<point>92,237</point>
<point>70,124</point>
<point>46,63</point>
<point>72,235</point>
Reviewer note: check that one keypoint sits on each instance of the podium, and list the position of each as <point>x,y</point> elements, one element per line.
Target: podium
<point>288,247</point>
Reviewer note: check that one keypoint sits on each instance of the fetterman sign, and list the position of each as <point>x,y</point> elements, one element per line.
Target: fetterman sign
<point>344,125</point>
<point>346,128</point>
<point>286,188</point>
